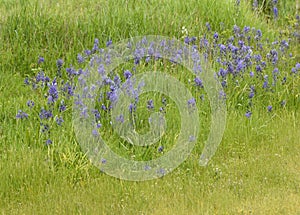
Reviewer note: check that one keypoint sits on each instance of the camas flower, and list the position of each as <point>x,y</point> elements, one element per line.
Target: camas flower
<point>127,74</point>
<point>269,108</point>
<point>248,114</point>
<point>44,114</point>
<point>30,103</point>
<point>150,104</point>
<point>21,115</point>
<point>48,142</point>
<point>41,60</point>
<point>198,82</point>
<point>275,11</point>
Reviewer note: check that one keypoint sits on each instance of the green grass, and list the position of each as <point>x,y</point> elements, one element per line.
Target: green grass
<point>254,171</point>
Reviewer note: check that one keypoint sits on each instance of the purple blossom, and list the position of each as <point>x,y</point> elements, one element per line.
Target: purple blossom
<point>246,29</point>
<point>62,107</point>
<point>160,149</point>
<point>198,82</point>
<point>59,63</point>
<point>59,120</point>
<point>191,102</point>
<point>44,114</point>
<point>108,43</point>
<point>80,58</point>
<point>30,103</point>
<point>48,142</point>
<point>127,74</point>
<point>88,52</point>
<point>269,108</point>
<point>222,95</point>
<point>275,11</point>
<point>120,118</point>
<point>21,115</point>
<point>251,95</point>
<point>150,104</point>
<point>95,132</point>
<point>208,26</point>
<point>41,60</point>
<point>131,108</point>
<point>216,35</point>
<point>45,128</point>
<point>103,160</point>
<point>26,81</point>
<point>248,114</point>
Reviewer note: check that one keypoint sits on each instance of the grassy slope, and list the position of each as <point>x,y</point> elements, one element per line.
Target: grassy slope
<point>256,169</point>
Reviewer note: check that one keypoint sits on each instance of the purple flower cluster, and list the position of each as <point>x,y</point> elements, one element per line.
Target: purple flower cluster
<point>246,64</point>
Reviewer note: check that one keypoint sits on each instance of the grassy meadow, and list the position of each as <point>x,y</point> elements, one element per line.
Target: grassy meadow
<point>256,168</point>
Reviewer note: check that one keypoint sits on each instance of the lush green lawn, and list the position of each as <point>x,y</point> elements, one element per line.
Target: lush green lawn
<point>255,170</point>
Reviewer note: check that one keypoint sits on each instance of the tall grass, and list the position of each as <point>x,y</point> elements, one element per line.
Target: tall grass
<point>255,169</point>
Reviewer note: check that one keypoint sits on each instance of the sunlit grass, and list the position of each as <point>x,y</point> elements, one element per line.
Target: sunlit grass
<point>255,170</point>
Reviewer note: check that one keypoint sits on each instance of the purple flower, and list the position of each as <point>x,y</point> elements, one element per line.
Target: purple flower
<point>275,10</point>
<point>208,26</point>
<point>131,107</point>
<point>103,161</point>
<point>259,33</point>
<point>80,58</point>
<point>108,43</point>
<point>251,95</point>
<point>96,113</point>
<point>246,29</point>
<point>120,118</point>
<point>150,104</point>
<point>62,107</point>
<point>248,114</point>
<point>48,142</point>
<point>258,68</point>
<point>222,48</point>
<point>187,40</point>
<point>59,120</point>
<point>26,81</point>
<point>45,127</point>
<point>298,66</point>
<point>44,114</point>
<point>160,149</point>
<point>41,60</point>
<point>127,74</point>
<point>269,108</point>
<point>21,115</point>
<point>103,107</point>
<point>59,63</point>
<point>216,35</point>
<point>112,96</point>
<point>95,133</point>
<point>198,82</point>
<point>191,102</point>
<point>30,103</point>
<point>87,52</point>
<point>53,91</point>
<point>40,77</point>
